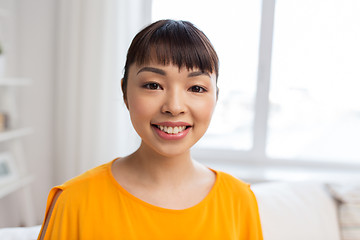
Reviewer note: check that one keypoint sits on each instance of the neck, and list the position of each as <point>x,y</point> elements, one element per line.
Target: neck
<point>159,169</point>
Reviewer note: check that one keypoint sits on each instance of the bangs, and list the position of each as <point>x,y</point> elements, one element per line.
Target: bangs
<point>174,42</point>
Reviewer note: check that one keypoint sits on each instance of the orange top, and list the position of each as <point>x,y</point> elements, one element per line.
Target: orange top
<point>94,206</point>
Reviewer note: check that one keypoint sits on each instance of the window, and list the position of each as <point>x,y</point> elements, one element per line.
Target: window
<point>237,47</point>
<point>289,77</point>
<point>315,81</point>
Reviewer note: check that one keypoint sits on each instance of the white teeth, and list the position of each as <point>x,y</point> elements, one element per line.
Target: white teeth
<point>171,130</point>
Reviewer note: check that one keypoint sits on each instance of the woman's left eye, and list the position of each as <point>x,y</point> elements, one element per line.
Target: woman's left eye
<point>197,89</point>
<point>152,86</point>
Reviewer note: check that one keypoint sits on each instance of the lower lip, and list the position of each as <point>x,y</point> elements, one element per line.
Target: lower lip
<point>168,136</point>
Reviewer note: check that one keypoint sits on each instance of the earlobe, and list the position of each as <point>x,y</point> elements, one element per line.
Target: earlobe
<point>217,93</point>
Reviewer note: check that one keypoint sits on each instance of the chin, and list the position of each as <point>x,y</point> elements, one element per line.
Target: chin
<point>173,149</point>
<point>169,153</point>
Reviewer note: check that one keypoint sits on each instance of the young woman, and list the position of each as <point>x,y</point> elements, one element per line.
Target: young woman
<point>159,191</point>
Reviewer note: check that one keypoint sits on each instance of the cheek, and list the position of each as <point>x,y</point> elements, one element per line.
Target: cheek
<point>140,109</point>
<point>204,110</point>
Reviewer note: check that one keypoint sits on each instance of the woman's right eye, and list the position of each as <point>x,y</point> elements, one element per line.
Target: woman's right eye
<point>152,86</point>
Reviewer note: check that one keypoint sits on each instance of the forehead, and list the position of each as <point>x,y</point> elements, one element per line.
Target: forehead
<point>163,69</point>
<point>167,56</point>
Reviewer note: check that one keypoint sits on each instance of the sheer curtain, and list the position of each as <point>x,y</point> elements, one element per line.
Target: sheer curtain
<point>91,122</point>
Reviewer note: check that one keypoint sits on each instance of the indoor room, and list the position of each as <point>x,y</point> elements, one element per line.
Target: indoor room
<point>286,118</point>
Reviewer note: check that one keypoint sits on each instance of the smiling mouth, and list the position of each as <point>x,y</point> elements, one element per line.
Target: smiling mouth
<point>171,130</point>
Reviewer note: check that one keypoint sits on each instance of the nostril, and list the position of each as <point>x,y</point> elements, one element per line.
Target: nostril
<point>174,113</point>
<point>173,110</point>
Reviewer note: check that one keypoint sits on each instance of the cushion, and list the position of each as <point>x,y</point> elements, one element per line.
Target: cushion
<point>346,192</point>
<point>20,233</point>
<point>296,211</point>
<point>348,195</point>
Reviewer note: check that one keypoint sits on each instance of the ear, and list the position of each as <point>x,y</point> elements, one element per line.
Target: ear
<point>217,93</point>
<point>124,93</point>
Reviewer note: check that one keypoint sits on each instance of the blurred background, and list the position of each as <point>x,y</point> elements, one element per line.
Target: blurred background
<point>288,109</point>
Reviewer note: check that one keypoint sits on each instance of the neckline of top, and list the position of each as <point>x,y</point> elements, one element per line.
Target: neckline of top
<point>207,198</point>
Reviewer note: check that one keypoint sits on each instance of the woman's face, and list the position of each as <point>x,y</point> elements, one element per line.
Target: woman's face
<point>170,108</point>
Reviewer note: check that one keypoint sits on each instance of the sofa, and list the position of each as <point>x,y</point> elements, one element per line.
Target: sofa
<point>288,211</point>
<point>297,211</point>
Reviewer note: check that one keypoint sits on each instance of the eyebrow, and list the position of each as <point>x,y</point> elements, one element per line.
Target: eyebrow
<point>152,69</point>
<point>198,73</point>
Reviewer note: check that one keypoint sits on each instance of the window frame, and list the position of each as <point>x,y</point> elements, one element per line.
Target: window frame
<point>253,164</point>
<point>255,159</point>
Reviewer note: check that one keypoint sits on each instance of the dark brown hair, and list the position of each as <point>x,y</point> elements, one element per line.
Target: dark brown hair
<point>169,41</point>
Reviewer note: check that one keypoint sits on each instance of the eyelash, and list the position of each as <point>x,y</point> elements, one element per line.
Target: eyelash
<point>152,84</point>
<point>156,86</point>
<point>201,89</point>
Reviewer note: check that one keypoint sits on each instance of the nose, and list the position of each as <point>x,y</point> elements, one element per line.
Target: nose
<point>174,103</point>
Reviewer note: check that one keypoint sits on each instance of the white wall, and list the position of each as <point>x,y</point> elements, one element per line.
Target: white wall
<point>36,60</point>
<point>35,23</point>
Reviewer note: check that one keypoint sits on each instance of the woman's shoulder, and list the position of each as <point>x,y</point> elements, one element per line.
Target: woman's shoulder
<point>233,185</point>
<point>230,179</point>
<point>93,178</point>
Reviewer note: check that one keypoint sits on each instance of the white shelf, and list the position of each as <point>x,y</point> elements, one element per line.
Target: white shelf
<point>14,185</point>
<point>11,139</point>
<point>15,81</point>
<point>15,133</point>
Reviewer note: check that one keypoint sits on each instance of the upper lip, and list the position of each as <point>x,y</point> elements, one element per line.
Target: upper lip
<point>172,124</point>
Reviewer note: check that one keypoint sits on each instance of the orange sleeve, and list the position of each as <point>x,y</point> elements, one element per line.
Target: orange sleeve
<point>61,219</point>
<point>256,230</point>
